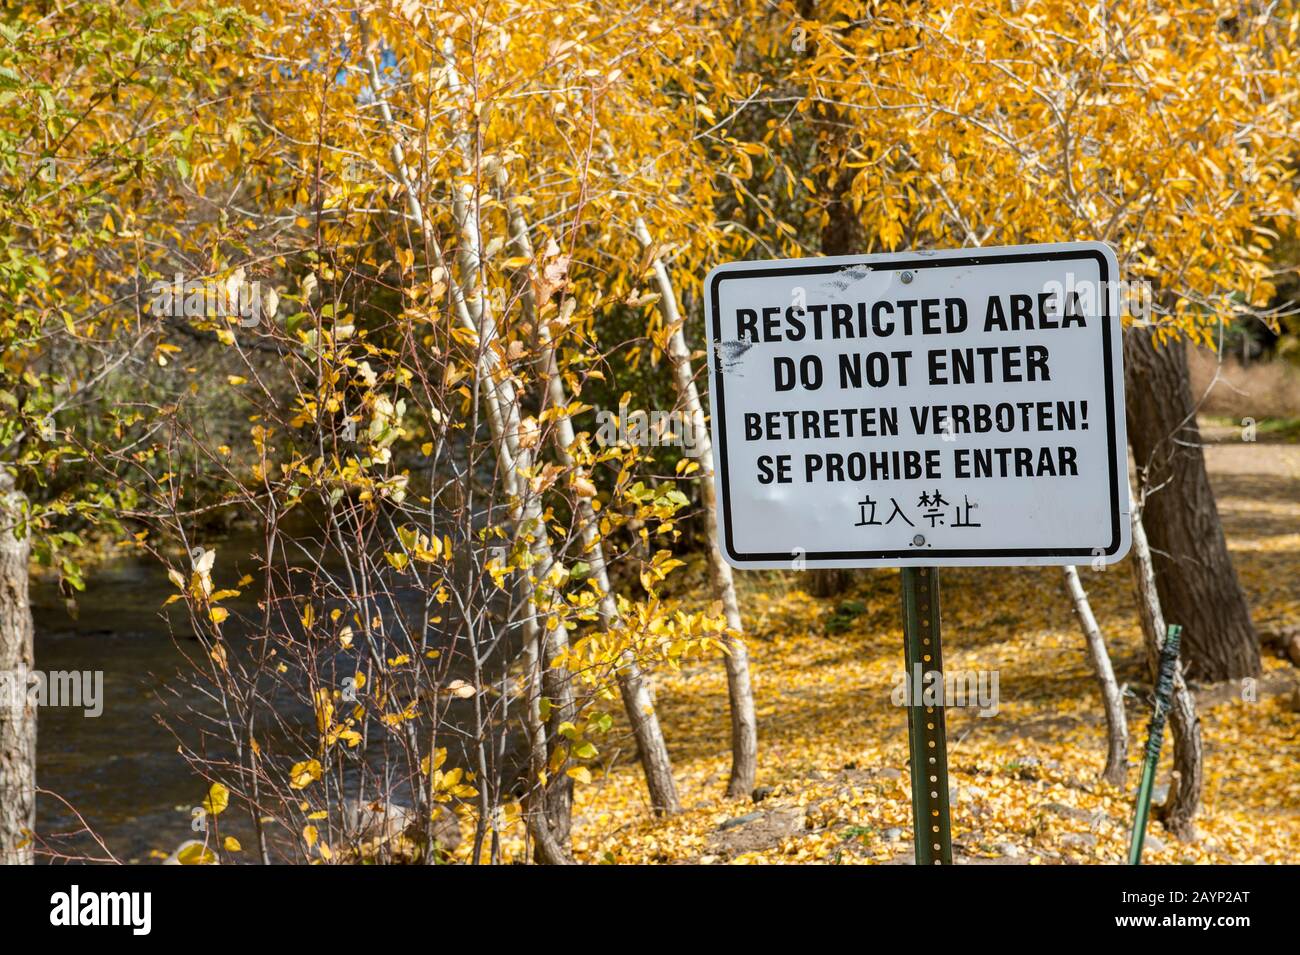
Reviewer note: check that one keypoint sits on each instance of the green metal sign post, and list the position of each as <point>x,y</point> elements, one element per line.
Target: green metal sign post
<point>925,723</point>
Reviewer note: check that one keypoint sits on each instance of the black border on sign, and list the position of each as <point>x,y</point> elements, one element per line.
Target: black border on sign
<point>720,413</point>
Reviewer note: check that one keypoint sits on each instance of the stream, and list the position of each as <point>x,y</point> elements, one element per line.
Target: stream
<point>121,770</point>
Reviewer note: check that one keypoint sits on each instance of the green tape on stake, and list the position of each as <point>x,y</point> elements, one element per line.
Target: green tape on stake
<point>1155,738</point>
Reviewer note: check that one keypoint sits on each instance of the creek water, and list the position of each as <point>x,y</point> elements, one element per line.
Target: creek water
<point>121,769</point>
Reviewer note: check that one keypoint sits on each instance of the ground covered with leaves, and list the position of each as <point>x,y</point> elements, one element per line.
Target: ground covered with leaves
<point>833,784</point>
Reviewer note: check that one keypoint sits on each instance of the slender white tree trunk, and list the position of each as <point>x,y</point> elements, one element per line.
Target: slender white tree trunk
<point>744,724</point>
<point>17,714</point>
<point>1112,694</point>
<point>556,682</point>
<point>502,407</point>
<point>549,849</point>
<point>638,699</point>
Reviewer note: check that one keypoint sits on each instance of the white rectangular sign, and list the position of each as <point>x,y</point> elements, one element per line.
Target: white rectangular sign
<point>949,408</point>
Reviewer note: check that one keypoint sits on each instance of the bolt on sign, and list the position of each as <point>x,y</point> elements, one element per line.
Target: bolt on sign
<point>955,408</point>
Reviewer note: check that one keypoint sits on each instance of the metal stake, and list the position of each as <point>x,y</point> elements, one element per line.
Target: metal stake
<point>1168,667</point>
<point>932,830</point>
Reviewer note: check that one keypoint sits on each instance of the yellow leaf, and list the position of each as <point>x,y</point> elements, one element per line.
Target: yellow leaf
<point>439,757</point>
<point>217,800</point>
<point>324,709</point>
<point>304,774</point>
<point>195,853</point>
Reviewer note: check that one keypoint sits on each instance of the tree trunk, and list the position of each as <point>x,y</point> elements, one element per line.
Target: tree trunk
<point>1180,808</point>
<point>1194,575</point>
<point>829,582</point>
<point>638,699</point>
<point>1112,695</point>
<point>744,723</point>
<point>501,402</point>
<point>547,848</point>
<point>17,715</point>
